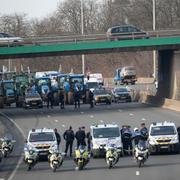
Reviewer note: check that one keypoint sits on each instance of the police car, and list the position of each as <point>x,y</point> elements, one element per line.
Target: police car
<point>102,135</point>
<point>163,136</point>
<point>41,140</point>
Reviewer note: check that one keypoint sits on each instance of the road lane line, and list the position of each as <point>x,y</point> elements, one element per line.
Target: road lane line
<point>21,157</point>
<point>137,173</point>
<point>143,119</point>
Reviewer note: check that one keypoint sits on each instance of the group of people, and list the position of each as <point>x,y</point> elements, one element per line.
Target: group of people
<point>69,137</point>
<point>130,137</point>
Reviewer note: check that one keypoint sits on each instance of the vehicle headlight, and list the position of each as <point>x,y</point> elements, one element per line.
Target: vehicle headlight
<point>96,98</point>
<point>152,141</point>
<point>54,147</point>
<point>175,139</point>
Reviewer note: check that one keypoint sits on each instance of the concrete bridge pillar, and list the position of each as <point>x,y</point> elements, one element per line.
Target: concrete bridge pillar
<point>169,74</point>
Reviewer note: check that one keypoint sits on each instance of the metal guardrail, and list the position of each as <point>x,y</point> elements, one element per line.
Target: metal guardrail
<point>89,38</point>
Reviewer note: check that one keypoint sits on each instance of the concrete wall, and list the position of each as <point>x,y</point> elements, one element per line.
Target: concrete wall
<point>169,74</point>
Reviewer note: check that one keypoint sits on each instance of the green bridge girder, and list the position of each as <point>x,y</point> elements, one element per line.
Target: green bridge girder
<point>91,47</point>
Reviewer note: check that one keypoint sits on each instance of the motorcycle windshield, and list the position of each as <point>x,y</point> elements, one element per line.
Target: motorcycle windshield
<point>142,145</point>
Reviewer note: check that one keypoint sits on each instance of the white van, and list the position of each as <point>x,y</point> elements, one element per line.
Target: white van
<point>102,135</point>
<point>98,77</point>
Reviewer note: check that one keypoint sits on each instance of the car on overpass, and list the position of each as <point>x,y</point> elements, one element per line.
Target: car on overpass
<point>10,40</point>
<point>125,32</point>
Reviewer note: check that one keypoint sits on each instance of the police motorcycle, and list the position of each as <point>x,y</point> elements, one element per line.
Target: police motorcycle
<point>82,157</point>
<point>30,157</point>
<point>112,155</point>
<point>141,152</point>
<point>55,158</point>
<point>7,146</point>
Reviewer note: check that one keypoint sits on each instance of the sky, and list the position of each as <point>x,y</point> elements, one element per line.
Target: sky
<point>33,8</point>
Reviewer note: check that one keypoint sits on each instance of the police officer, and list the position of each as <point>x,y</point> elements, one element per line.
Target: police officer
<point>77,99</point>
<point>61,98</point>
<point>136,136</point>
<point>80,137</point>
<point>144,131</point>
<point>69,138</point>
<point>127,139</point>
<point>91,96</point>
<point>58,137</point>
<point>88,136</point>
<point>50,99</point>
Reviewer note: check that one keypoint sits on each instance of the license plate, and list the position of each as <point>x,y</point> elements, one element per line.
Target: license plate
<point>164,147</point>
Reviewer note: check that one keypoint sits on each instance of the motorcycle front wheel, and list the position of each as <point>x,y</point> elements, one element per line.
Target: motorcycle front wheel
<point>139,164</point>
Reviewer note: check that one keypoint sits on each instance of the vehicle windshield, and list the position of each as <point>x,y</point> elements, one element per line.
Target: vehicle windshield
<point>106,132</point>
<point>92,85</point>
<point>32,94</point>
<point>100,91</point>
<point>163,130</point>
<point>9,85</point>
<point>40,137</point>
<point>43,82</point>
<point>130,69</point>
<point>21,79</point>
<point>77,79</point>
<point>121,90</point>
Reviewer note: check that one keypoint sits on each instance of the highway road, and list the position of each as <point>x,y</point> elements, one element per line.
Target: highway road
<point>159,167</point>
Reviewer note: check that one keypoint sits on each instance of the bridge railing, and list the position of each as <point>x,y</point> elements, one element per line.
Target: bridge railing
<point>89,37</point>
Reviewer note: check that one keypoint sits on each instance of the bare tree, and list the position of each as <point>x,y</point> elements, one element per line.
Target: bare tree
<point>15,24</point>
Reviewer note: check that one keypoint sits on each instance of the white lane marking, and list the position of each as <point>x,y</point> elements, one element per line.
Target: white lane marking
<point>143,119</point>
<point>101,121</point>
<point>48,116</point>
<point>21,157</point>
<point>131,114</point>
<point>120,110</point>
<point>91,116</point>
<point>82,112</point>
<point>137,173</point>
<point>1,178</point>
<point>56,120</point>
<point>63,125</point>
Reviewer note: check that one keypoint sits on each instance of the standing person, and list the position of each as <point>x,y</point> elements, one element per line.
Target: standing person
<point>61,98</point>
<point>69,138</point>
<point>50,99</point>
<point>88,136</point>
<point>80,137</point>
<point>91,97</point>
<point>66,86</point>
<point>76,99</point>
<point>144,131</point>
<point>58,137</point>
<point>127,139</point>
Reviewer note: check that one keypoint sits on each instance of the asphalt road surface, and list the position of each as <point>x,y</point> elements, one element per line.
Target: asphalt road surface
<point>158,167</point>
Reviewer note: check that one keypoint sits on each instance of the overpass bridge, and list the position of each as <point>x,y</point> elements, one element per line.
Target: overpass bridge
<point>167,47</point>
<point>91,47</point>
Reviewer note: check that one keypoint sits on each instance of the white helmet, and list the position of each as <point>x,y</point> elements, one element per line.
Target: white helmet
<point>136,129</point>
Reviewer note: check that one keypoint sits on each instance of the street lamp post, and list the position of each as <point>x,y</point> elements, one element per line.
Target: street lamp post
<point>154,28</point>
<point>82,32</point>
